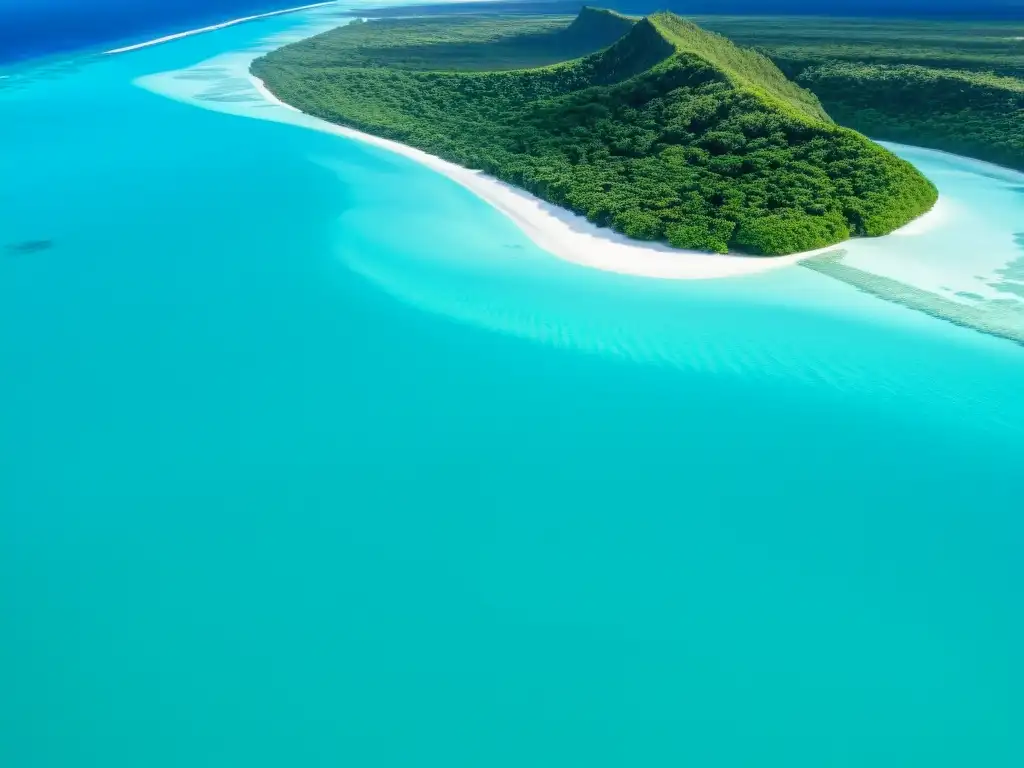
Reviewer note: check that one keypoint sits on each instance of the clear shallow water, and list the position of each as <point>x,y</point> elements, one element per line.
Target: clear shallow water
<point>309,457</point>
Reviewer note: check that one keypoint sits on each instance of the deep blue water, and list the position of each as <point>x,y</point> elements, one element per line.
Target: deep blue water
<point>309,457</point>
<point>37,28</point>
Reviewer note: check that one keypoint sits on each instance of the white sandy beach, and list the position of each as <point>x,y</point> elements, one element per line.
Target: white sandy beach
<point>933,219</point>
<point>215,27</point>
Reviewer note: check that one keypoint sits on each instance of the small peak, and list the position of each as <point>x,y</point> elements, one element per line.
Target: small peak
<point>599,21</point>
<point>638,50</point>
<point>605,13</point>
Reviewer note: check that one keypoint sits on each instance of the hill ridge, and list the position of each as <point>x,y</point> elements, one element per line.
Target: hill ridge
<point>742,67</point>
<point>641,48</point>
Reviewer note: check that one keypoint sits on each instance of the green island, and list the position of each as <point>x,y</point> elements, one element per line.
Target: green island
<point>654,127</point>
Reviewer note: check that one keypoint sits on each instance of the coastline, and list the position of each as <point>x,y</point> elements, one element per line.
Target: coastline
<point>560,232</point>
<point>927,221</point>
<point>983,166</point>
<point>214,27</point>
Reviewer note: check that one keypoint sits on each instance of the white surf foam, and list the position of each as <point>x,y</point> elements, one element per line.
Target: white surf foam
<point>215,27</point>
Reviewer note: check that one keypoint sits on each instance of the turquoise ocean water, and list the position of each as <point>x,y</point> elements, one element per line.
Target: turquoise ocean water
<point>309,457</point>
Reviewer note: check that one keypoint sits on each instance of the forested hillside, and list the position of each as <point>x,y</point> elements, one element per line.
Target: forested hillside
<point>969,113</point>
<point>668,133</point>
<point>795,43</point>
<point>951,85</point>
<point>837,9</point>
<point>442,44</point>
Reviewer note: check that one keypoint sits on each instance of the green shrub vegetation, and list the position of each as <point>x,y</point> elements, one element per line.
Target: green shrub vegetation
<point>969,113</point>
<point>795,43</point>
<point>662,131</point>
<point>951,85</point>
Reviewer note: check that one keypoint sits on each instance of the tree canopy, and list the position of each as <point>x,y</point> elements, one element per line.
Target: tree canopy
<point>950,84</point>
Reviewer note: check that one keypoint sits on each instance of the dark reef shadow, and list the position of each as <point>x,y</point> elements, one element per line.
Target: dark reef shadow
<point>26,247</point>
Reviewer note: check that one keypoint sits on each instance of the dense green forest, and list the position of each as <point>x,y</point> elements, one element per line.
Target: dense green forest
<point>665,132</point>
<point>969,113</point>
<point>795,43</point>
<point>951,85</point>
<point>443,44</point>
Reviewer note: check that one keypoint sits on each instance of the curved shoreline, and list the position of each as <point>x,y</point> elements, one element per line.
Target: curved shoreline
<point>573,238</point>
<point>927,221</point>
<point>215,27</point>
<point>562,233</point>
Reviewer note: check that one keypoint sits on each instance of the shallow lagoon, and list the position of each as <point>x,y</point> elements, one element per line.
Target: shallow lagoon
<point>309,456</point>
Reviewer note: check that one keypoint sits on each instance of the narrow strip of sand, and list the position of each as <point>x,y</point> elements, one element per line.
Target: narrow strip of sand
<point>560,232</point>
<point>215,27</point>
<point>940,213</point>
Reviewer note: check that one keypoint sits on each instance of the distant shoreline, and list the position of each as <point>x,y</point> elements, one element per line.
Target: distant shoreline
<point>564,234</point>
<point>214,27</point>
